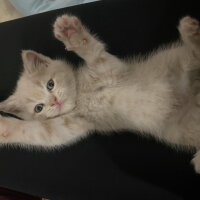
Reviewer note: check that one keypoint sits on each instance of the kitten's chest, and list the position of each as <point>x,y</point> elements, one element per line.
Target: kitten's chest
<point>95,94</point>
<point>94,103</point>
<point>99,108</point>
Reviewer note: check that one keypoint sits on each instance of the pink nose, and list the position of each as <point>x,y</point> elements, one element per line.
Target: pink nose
<point>54,101</point>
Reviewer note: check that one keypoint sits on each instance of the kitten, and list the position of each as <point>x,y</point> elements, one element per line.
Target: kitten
<point>158,95</point>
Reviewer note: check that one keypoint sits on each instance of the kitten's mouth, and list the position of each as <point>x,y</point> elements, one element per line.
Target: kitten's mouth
<point>60,105</point>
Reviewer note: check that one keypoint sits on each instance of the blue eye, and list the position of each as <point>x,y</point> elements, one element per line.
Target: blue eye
<point>50,85</point>
<point>38,108</point>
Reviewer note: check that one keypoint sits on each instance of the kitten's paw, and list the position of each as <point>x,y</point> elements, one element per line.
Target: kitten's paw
<point>189,28</point>
<point>65,26</point>
<point>70,31</point>
<point>196,162</point>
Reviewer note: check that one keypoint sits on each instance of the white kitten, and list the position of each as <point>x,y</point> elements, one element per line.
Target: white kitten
<point>157,96</point>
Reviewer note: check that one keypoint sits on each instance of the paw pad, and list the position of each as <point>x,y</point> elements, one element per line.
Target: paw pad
<point>65,26</point>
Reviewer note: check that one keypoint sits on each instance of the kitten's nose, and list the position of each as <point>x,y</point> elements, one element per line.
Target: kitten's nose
<point>54,101</point>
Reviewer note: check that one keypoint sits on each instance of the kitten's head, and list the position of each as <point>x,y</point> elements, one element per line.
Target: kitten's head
<point>46,88</point>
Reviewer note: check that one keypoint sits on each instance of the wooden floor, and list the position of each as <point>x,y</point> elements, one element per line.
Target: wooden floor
<point>8,12</point>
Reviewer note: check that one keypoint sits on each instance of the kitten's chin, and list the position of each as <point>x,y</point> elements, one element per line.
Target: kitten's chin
<point>66,108</point>
<point>62,109</point>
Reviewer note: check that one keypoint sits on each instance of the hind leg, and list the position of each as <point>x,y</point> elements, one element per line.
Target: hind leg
<point>190,34</point>
<point>196,162</point>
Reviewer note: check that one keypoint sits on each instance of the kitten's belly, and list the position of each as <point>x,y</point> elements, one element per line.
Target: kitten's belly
<point>145,110</point>
<point>128,108</point>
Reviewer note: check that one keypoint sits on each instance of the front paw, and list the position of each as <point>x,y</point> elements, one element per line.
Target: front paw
<point>70,31</point>
<point>65,26</point>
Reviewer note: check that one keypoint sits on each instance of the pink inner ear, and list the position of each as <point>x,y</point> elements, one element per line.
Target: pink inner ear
<point>36,59</point>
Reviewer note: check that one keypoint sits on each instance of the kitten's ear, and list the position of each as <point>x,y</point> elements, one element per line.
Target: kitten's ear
<point>10,106</point>
<point>33,61</point>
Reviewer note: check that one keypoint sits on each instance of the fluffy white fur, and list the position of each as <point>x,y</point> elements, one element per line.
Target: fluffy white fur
<point>158,95</point>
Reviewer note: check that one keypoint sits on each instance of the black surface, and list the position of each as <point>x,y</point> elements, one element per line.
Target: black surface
<point>122,166</point>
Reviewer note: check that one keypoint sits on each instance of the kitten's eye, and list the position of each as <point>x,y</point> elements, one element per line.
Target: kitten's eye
<point>50,84</point>
<point>38,108</point>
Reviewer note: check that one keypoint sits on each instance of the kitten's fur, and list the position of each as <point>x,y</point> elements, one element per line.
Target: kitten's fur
<point>158,95</point>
